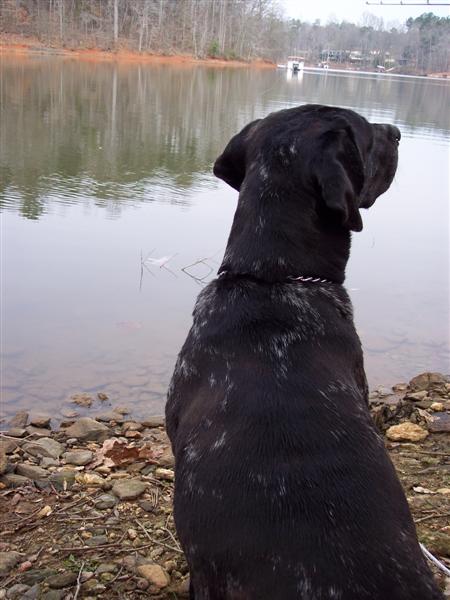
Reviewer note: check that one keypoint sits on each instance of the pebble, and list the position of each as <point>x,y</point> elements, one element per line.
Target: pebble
<point>32,593</point>
<point>17,432</point>
<point>78,457</point>
<point>62,580</point>
<point>17,591</point>
<point>47,462</point>
<point>41,421</point>
<point>406,432</point>
<point>12,480</point>
<point>44,447</point>
<point>63,479</point>
<point>3,461</point>
<point>154,574</point>
<point>154,422</point>
<point>417,395</point>
<point>31,471</point>
<point>8,560</point>
<point>97,540</point>
<point>37,575</point>
<point>20,419</point>
<point>440,423</point>
<point>129,489</point>
<point>147,505</point>
<point>167,474</point>
<point>89,479</point>
<point>87,429</point>
<point>38,432</point>
<point>106,568</point>
<point>166,459</point>
<point>132,534</point>
<point>82,399</point>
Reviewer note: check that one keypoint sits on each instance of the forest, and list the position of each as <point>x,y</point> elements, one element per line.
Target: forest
<point>231,29</point>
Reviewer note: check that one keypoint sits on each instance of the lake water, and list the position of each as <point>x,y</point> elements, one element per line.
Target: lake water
<point>102,164</point>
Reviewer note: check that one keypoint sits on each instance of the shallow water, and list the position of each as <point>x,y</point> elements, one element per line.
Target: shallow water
<point>101,164</point>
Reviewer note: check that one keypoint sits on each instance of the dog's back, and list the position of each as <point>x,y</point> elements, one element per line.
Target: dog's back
<point>283,487</point>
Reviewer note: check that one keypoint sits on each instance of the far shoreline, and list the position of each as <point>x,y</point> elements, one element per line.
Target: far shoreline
<point>30,47</point>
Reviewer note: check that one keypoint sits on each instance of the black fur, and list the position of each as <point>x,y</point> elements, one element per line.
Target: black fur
<point>283,487</point>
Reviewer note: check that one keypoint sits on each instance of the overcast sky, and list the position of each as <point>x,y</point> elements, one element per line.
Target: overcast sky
<point>352,10</point>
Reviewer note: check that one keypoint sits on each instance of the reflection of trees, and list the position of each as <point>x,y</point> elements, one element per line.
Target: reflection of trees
<point>74,131</point>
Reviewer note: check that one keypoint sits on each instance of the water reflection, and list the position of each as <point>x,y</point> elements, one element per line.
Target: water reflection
<point>109,132</point>
<point>102,162</point>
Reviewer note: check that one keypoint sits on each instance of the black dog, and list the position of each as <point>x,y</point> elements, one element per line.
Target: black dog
<point>283,489</point>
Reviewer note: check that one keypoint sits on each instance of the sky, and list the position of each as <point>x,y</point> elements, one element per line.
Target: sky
<point>352,10</point>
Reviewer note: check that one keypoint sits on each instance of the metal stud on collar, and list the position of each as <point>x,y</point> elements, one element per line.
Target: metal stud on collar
<point>304,279</point>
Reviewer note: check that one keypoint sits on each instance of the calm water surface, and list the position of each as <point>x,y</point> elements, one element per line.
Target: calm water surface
<point>102,164</point>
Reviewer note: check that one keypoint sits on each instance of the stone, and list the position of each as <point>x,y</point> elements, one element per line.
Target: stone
<point>3,461</point>
<point>62,580</point>
<point>102,396</point>
<point>417,395</point>
<point>44,447</point>
<point>167,474</point>
<point>63,479</point>
<point>109,416</point>
<point>8,560</point>
<point>88,429</point>
<point>122,410</point>
<point>147,506</point>
<point>9,446</point>
<point>20,419</point>
<point>440,423</point>
<point>17,591</point>
<point>182,589</point>
<point>428,381</point>
<point>437,406</point>
<point>167,458</point>
<point>69,414</point>
<point>132,426</point>
<point>41,421</point>
<point>97,540</point>
<point>400,387</point>
<point>155,575</point>
<point>129,489</point>
<point>84,400</point>
<point>17,432</point>
<point>89,479</point>
<point>47,462</point>
<point>38,432</point>
<point>11,480</point>
<point>78,457</point>
<point>154,422</point>
<point>106,568</point>
<point>31,471</point>
<point>53,595</point>
<point>406,432</point>
<point>37,575</point>
<point>32,593</point>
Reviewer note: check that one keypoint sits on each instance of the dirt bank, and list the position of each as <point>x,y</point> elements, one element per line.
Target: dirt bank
<point>86,509</point>
<point>28,47</point>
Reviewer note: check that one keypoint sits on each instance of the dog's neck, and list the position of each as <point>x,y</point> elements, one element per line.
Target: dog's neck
<point>274,240</point>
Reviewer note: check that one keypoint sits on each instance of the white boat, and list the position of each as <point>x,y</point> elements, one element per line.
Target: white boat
<point>295,63</point>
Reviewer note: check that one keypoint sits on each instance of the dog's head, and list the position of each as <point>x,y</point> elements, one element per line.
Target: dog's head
<point>331,155</point>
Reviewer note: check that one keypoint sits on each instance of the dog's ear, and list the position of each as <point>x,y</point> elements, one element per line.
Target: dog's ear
<point>231,164</point>
<point>340,177</point>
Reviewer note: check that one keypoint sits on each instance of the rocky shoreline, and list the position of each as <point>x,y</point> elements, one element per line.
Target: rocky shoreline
<point>86,507</point>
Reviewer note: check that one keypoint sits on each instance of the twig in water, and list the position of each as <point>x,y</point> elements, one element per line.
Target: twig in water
<point>434,560</point>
